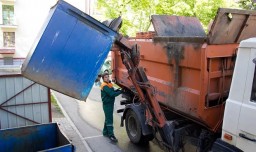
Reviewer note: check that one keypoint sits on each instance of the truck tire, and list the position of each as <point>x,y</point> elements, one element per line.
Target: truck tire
<point>133,129</point>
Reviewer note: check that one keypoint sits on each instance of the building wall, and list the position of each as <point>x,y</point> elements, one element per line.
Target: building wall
<point>29,18</point>
<point>22,102</point>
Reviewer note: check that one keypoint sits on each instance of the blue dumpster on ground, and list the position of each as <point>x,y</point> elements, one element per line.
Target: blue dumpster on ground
<point>69,51</point>
<point>44,137</point>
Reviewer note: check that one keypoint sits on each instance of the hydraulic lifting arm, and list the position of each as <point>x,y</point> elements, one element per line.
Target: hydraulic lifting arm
<point>144,90</point>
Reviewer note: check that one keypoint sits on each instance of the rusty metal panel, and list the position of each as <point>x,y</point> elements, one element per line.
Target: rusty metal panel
<point>22,102</point>
<point>190,78</point>
<point>249,30</point>
<point>177,26</point>
<point>232,26</point>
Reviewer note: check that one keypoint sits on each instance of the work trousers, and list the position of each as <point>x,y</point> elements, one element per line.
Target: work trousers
<point>108,129</point>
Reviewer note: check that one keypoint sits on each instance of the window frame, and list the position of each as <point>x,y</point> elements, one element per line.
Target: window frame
<point>253,89</point>
<point>9,14</point>
<point>9,43</point>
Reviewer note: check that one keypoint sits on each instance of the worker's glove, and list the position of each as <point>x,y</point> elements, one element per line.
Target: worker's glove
<point>120,90</point>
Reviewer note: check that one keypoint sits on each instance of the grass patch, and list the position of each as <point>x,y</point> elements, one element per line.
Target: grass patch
<point>55,104</point>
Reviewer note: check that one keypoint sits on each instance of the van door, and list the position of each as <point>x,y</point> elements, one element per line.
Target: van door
<point>246,129</point>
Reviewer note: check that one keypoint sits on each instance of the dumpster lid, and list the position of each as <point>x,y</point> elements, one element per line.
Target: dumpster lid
<point>232,26</point>
<point>177,26</point>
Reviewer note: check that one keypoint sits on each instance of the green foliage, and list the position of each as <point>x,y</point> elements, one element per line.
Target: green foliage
<point>136,13</point>
<point>247,4</point>
<point>55,104</point>
<point>206,10</point>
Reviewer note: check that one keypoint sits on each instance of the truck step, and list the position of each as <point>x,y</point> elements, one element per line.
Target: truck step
<point>124,102</point>
<point>120,110</point>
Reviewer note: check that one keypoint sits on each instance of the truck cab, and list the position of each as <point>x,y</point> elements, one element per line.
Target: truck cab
<point>239,123</point>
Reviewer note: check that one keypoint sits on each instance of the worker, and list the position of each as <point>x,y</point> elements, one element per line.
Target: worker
<point>97,81</point>
<point>108,95</point>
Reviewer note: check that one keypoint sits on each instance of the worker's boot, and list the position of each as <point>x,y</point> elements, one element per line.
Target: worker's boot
<point>113,138</point>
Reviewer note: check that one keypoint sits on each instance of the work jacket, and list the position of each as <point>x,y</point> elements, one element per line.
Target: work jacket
<point>108,93</point>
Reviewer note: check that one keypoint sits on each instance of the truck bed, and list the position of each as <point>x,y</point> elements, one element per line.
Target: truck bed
<point>191,71</point>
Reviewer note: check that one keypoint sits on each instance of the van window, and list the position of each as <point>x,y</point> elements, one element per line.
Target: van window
<point>253,93</point>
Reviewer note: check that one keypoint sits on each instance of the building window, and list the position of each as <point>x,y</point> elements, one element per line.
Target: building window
<point>8,61</point>
<point>253,93</point>
<point>8,14</point>
<point>9,39</point>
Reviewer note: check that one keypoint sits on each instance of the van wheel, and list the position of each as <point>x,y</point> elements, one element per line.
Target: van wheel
<point>134,130</point>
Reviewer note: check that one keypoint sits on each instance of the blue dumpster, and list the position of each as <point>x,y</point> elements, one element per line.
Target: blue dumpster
<point>69,51</point>
<point>44,137</point>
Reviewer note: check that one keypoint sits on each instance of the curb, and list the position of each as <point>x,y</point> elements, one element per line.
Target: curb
<point>72,124</point>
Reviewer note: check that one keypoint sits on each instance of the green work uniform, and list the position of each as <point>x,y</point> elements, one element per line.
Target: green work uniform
<point>108,95</point>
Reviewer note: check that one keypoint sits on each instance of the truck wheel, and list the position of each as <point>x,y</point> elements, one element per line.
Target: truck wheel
<point>133,129</point>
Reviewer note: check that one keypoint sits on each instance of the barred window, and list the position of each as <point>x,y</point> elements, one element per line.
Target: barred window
<point>9,39</point>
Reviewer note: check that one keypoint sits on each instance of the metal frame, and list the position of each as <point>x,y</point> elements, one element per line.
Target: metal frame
<point>3,107</point>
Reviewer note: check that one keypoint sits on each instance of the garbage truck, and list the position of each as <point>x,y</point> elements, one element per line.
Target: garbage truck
<point>180,85</point>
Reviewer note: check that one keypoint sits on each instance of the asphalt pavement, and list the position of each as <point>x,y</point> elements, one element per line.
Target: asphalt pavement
<point>67,127</point>
<point>83,135</point>
<point>82,123</point>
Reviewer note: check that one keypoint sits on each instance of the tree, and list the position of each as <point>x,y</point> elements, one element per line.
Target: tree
<point>136,13</point>
<point>247,4</point>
